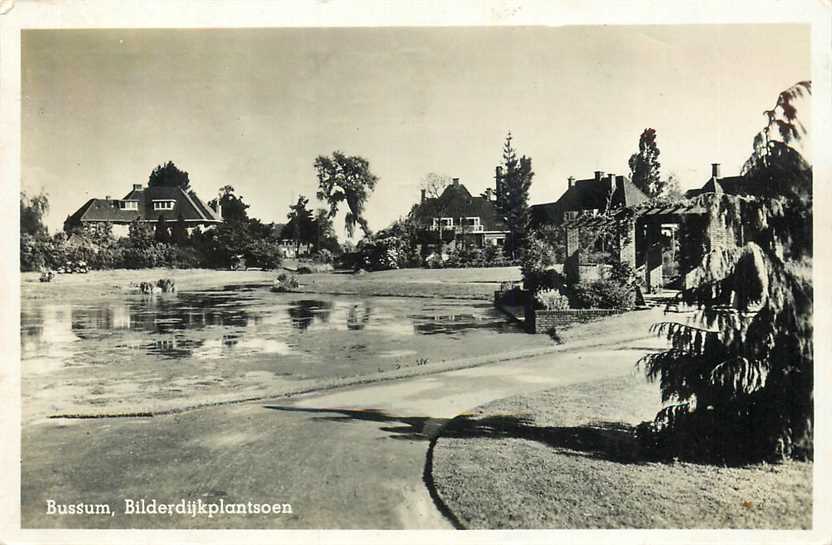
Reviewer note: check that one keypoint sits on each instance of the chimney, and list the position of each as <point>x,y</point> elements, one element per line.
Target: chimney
<point>137,187</point>
<point>488,193</point>
<point>611,179</point>
<point>571,181</point>
<point>715,171</point>
<point>456,181</point>
<point>423,196</point>
<point>598,175</point>
<point>107,198</point>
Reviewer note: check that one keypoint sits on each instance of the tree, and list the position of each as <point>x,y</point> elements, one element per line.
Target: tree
<point>168,175</point>
<point>301,227</point>
<point>344,178</point>
<point>233,208</point>
<point>179,231</point>
<point>139,234</point>
<point>738,379</point>
<point>325,237</point>
<point>162,233</point>
<point>645,167</point>
<point>32,210</point>
<point>513,183</point>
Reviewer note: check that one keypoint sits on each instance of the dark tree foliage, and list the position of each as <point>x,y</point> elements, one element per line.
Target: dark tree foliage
<point>325,238</point>
<point>645,167</point>
<point>162,232</point>
<point>32,210</point>
<point>168,175</point>
<point>179,231</point>
<point>301,227</point>
<point>345,178</point>
<point>738,378</point>
<point>234,209</point>
<point>512,194</point>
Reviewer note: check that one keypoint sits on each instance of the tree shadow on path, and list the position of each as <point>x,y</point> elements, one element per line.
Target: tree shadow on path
<point>613,441</point>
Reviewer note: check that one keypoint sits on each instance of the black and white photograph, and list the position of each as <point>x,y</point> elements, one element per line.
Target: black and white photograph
<point>448,276</point>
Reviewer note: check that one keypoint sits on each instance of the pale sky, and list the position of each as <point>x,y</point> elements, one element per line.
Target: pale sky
<point>253,108</point>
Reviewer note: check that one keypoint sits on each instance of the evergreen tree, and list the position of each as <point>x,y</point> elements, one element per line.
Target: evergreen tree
<point>168,175</point>
<point>301,227</point>
<point>645,167</point>
<point>179,232</point>
<point>512,196</point>
<point>738,378</point>
<point>162,233</point>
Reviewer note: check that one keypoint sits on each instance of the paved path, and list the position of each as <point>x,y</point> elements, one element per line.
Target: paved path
<point>351,458</point>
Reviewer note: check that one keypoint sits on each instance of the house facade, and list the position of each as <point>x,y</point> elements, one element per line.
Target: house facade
<point>458,218</point>
<point>147,205</point>
<point>591,196</point>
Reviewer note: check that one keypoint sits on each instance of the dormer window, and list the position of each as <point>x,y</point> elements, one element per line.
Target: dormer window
<point>163,204</point>
<point>128,205</point>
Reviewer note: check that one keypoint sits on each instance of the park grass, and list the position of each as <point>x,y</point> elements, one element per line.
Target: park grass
<point>441,283</point>
<point>566,458</point>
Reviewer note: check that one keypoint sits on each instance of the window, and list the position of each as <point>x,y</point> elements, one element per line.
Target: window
<point>163,205</point>
<point>447,222</point>
<point>128,205</point>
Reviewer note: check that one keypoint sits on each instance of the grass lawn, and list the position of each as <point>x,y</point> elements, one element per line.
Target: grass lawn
<point>445,283</point>
<point>566,458</point>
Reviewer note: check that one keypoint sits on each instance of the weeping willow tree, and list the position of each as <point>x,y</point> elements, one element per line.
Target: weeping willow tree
<point>737,380</point>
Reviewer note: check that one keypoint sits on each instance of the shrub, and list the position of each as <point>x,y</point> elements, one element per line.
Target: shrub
<point>262,253</point>
<point>603,293</point>
<point>551,299</point>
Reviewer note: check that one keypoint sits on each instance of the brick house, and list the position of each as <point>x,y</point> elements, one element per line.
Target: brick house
<point>460,218</point>
<point>587,197</point>
<point>147,204</point>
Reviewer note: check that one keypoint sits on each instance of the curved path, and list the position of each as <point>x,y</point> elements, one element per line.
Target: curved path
<point>351,458</point>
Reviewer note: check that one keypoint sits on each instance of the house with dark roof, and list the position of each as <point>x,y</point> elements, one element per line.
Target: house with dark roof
<point>730,185</point>
<point>147,205</point>
<point>459,217</point>
<point>590,196</point>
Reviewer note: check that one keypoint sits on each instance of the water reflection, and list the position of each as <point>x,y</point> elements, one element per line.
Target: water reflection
<point>304,312</point>
<point>229,323</point>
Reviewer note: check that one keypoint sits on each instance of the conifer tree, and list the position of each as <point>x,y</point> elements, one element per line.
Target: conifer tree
<point>645,167</point>
<point>512,191</point>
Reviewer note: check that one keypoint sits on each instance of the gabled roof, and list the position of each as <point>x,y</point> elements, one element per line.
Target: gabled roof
<point>192,209</point>
<point>588,194</point>
<point>457,202</point>
<point>731,185</point>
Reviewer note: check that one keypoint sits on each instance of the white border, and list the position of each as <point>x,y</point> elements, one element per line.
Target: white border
<point>263,13</point>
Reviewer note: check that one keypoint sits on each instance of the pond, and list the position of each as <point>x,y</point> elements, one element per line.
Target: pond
<point>141,352</point>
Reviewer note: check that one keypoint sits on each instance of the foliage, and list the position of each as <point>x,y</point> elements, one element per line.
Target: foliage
<point>161,231</point>
<point>233,207</point>
<point>645,167</point>
<point>738,378</point>
<point>552,299</point>
<point>602,293</point>
<point>179,231</point>
<point>345,178</point>
<point>301,227</point>
<point>32,210</point>
<point>537,264</point>
<point>168,175</point>
<point>512,192</point>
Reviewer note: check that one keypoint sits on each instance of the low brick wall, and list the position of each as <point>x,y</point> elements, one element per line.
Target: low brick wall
<point>542,321</point>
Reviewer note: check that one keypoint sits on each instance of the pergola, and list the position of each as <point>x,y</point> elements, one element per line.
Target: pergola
<point>639,238</point>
